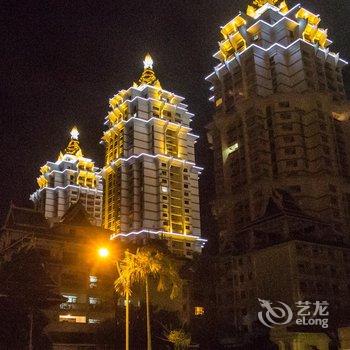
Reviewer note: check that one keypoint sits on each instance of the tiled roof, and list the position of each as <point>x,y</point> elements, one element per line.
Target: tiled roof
<point>76,215</point>
<point>25,219</point>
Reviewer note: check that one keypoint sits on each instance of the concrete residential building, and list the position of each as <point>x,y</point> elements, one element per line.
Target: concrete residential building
<point>280,119</point>
<point>280,136</point>
<point>70,179</point>
<point>69,252</point>
<point>151,179</point>
<point>284,255</point>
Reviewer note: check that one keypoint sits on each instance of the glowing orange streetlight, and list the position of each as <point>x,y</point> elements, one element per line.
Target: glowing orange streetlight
<point>103,252</point>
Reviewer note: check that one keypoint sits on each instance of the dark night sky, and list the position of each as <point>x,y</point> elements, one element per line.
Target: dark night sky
<point>62,60</point>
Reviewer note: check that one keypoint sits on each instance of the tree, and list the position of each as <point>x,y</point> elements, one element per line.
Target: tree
<point>123,286</point>
<point>25,291</point>
<point>146,264</point>
<point>180,339</point>
<point>150,263</point>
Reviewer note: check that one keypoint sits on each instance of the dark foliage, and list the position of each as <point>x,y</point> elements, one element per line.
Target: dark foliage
<point>26,289</point>
<point>111,334</point>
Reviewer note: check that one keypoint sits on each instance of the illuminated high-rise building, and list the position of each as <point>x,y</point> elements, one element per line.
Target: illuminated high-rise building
<point>151,179</point>
<point>280,138</point>
<point>70,179</point>
<point>280,119</point>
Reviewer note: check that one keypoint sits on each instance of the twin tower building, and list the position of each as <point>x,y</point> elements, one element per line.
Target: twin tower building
<point>279,124</point>
<point>148,186</point>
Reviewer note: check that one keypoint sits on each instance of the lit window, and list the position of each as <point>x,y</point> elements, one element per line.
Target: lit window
<point>72,319</point>
<point>164,189</point>
<point>71,298</point>
<point>94,301</point>
<point>93,281</point>
<point>199,310</point>
<point>94,320</point>
<point>218,102</point>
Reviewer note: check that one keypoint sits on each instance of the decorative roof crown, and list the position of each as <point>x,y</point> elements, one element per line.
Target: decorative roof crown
<point>148,77</point>
<point>73,147</point>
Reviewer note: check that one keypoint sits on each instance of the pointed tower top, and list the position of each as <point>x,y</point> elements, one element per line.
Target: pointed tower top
<point>148,62</point>
<point>74,133</point>
<point>148,76</point>
<point>73,147</point>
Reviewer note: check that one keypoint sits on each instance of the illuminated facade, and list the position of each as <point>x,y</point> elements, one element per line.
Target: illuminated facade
<point>281,117</point>
<point>280,136</point>
<point>151,179</point>
<point>70,179</point>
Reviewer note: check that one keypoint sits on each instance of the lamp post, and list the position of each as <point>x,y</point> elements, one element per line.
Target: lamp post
<point>104,253</point>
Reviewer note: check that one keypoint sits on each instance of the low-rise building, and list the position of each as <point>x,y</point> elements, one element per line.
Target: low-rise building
<point>69,250</point>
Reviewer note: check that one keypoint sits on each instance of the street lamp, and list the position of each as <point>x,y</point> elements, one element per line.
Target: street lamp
<point>103,252</point>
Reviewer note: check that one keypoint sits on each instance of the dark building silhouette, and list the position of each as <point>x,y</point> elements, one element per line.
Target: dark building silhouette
<point>280,137</point>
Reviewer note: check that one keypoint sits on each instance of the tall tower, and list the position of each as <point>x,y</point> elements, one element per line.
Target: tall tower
<point>281,119</point>
<point>151,179</point>
<point>70,179</point>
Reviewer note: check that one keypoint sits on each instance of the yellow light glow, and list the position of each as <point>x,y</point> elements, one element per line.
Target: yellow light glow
<point>199,310</point>
<point>74,133</point>
<point>148,62</point>
<point>103,252</point>
<point>252,10</point>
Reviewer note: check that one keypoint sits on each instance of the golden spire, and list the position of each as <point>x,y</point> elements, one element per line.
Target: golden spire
<point>74,133</point>
<point>148,62</point>
<point>260,3</point>
<point>73,147</point>
<point>148,76</point>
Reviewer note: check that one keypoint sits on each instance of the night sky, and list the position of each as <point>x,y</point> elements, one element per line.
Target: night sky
<point>62,60</point>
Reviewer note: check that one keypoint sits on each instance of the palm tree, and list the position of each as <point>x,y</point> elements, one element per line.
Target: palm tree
<point>123,286</point>
<point>180,339</point>
<point>140,267</point>
<point>150,263</point>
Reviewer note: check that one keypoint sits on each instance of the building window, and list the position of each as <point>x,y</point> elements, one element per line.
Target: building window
<point>94,320</point>
<point>72,299</point>
<point>290,151</point>
<point>287,126</point>
<point>93,281</point>
<point>288,139</point>
<point>94,301</point>
<point>284,104</point>
<point>218,102</point>
<point>199,311</point>
<point>72,319</point>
